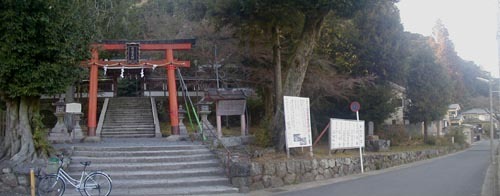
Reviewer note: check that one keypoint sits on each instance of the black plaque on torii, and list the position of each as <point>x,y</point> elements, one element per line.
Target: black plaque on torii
<point>133,53</point>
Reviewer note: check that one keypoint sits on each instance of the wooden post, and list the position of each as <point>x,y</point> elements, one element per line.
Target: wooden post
<point>172,93</point>
<point>92,96</point>
<point>219,126</point>
<point>243,125</point>
<point>32,181</point>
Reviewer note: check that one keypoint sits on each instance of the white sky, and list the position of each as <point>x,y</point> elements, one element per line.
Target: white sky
<point>472,26</point>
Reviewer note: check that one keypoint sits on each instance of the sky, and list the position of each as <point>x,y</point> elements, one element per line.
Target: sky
<point>472,25</point>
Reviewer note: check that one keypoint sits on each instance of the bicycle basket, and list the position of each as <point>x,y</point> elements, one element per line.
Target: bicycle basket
<point>52,165</point>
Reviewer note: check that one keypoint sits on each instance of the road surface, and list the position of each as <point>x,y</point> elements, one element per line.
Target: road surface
<point>460,174</point>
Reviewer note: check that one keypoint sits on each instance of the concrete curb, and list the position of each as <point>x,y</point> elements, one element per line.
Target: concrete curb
<point>491,184</point>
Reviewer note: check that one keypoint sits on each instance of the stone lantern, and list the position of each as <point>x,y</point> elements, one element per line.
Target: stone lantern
<point>75,109</point>
<point>204,111</point>
<point>59,134</point>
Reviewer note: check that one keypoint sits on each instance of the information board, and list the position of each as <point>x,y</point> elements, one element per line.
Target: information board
<point>73,108</point>
<point>231,107</point>
<point>297,122</point>
<point>346,134</point>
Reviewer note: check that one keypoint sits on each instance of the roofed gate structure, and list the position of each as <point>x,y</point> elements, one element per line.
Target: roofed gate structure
<point>133,59</point>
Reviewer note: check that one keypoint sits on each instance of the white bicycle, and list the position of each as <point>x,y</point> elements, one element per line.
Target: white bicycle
<point>93,183</point>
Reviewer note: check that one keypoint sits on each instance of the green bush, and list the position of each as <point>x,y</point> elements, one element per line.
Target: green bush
<point>458,135</point>
<point>42,145</point>
<point>431,140</point>
<point>395,133</point>
<point>262,137</point>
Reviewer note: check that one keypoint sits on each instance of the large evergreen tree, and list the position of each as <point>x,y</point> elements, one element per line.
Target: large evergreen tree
<point>429,88</point>
<point>306,17</point>
<point>42,42</point>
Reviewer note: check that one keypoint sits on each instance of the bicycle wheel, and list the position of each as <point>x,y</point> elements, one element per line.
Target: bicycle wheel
<point>97,184</point>
<point>50,185</point>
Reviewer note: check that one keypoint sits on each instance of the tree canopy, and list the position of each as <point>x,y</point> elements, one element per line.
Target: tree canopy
<point>43,42</point>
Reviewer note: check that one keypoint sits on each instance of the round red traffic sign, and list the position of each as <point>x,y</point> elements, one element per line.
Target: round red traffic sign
<point>355,106</point>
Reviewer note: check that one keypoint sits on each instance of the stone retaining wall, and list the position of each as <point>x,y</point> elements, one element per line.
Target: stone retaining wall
<point>251,175</point>
<point>13,183</point>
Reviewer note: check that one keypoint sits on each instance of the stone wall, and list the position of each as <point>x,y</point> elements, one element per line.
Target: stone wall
<point>13,183</point>
<point>250,175</point>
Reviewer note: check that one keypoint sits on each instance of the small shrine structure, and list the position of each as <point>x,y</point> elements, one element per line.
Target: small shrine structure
<point>229,102</point>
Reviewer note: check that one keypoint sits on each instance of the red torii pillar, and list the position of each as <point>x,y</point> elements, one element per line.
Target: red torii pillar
<point>162,45</point>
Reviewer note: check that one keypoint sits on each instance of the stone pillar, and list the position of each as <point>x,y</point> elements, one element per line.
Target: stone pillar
<point>59,134</point>
<point>182,127</point>
<point>370,128</point>
<point>77,133</point>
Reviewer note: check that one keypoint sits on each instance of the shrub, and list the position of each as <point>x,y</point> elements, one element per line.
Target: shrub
<point>395,133</point>
<point>458,135</point>
<point>262,137</point>
<point>431,140</point>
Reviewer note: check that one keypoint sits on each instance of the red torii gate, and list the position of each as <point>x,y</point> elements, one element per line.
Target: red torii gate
<point>132,48</point>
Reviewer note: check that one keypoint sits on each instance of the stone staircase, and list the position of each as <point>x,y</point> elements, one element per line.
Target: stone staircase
<point>180,169</point>
<point>128,117</point>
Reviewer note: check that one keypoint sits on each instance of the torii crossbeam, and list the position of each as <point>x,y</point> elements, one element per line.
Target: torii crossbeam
<point>133,60</point>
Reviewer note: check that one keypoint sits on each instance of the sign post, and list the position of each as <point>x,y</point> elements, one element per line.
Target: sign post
<point>297,123</point>
<point>355,106</point>
<point>347,134</point>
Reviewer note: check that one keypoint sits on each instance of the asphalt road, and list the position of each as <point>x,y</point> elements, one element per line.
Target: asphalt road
<point>460,174</point>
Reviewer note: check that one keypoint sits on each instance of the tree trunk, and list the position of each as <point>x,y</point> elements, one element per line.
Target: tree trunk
<point>296,70</point>
<point>278,87</point>
<point>18,143</point>
<point>426,123</point>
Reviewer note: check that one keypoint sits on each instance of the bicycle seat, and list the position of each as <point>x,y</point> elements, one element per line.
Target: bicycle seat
<point>85,163</point>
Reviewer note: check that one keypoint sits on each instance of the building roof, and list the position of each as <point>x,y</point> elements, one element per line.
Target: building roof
<point>454,106</point>
<point>475,111</point>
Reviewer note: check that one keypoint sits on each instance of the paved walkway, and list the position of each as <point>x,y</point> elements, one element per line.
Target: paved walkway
<point>466,165</point>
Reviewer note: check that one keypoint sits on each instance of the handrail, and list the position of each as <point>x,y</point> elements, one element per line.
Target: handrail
<point>101,117</point>
<point>228,152</point>
<point>155,117</point>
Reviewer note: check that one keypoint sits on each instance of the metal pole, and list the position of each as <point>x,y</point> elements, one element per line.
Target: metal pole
<point>491,124</point>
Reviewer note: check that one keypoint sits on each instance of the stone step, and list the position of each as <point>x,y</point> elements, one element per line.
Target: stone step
<point>127,129</point>
<point>209,171</point>
<point>125,126</point>
<point>137,119</point>
<point>167,183</point>
<point>159,168</point>
<point>131,114</point>
<point>104,153</point>
<point>201,190</point>
<point>145,149</point>
<point>147,166</point>
<point>129,121</point>
<point>128,134</point>
<point>126,110</point>
<point>135,135</point>
<point>141,159</point>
